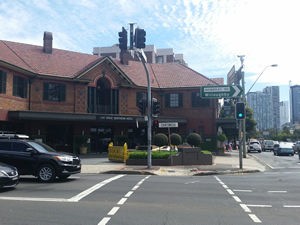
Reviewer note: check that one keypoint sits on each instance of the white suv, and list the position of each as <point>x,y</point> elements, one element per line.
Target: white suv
<point>254,146</point>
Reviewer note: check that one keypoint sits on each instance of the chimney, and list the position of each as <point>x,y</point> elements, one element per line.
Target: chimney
<point>125,57</point>
<point>47,48</point>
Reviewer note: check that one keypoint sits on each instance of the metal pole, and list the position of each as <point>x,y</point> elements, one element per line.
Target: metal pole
<point>149,124</point>
<point>240,145</point>
<point>243,122</point>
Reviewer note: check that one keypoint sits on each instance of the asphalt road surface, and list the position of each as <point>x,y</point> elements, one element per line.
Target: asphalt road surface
<point>270,198</point>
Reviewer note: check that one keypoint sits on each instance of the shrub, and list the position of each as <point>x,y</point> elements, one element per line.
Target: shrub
<point>194,139</point>
<point>160,139</point>
<point>154,155</point>
<point>222,137</point>
<point>175,139</point>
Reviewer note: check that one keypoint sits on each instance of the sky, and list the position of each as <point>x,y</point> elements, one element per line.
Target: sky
<point>209,33</point>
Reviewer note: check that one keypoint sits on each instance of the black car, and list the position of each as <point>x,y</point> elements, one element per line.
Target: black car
<point>9,176</point>
<point>38,159</point>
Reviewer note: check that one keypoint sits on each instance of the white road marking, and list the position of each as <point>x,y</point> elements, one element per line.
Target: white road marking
<point>104,221</point>
<point>242,190</point>
<point>135,187</point>
<point>36,199</point>
<point>128,194</point>
<point>224,186</point>
<point>236,198</point>
<point>72,199</point>
<point>254,218</point>
<point>113,211</point>
<point>260,206</point>
<point>122,201</point>
<point>87,192</point>
<point>277,191</point>
<point>291,206</point>
<point>230,191</point>
<point>245,208</point>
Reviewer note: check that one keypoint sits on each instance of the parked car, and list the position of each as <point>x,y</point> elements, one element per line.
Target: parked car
<point>38,159</point>
<point>254,145</point>
<point>9,176</point>
<point>268,145</point>
<point>284,148</point>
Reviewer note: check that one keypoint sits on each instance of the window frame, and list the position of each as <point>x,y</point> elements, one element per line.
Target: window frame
<point>174,100</point>
<point>3,80</point>
<point>20,86</point>
<point>54,92</point>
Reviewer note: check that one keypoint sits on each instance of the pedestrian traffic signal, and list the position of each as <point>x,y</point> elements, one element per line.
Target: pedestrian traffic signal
<point>155,107</point>
<point>240,110</point>
<point>123,39</point>
<point>155,124</point>
<point>140,38</point>
<point>142,106</point>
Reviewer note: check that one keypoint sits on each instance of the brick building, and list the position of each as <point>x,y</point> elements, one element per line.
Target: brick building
<point>56,94</point>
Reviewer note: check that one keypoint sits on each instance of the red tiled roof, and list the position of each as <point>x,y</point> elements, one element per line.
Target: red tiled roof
<point>60,63</point>
<point>167,75</point>
<point>68,64</point>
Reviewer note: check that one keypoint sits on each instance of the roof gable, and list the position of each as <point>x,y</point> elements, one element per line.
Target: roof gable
<point>60,63</point>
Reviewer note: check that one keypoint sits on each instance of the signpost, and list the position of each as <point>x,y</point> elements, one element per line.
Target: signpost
<point>168,125</point>
<point>221,91</point>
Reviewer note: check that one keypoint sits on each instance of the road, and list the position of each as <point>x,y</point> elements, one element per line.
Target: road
<point>277,163</point>
<point>270,198</point>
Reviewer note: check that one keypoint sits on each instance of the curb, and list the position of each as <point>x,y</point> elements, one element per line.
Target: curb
<point>203,173</point>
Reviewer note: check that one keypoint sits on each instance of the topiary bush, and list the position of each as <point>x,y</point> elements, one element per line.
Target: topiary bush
<point>160,139</point>
<point>194,139</point>
<point>175,139</point>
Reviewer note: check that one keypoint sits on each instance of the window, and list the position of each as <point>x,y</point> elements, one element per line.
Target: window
<point>19,147</point>
<point>197,101</point>
<point>20,87</point>
<point>2,81</point>
<point>54,92</point>
<point>173,100</point>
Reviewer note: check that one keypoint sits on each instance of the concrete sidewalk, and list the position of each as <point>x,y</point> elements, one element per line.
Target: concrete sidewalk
<point>227,164</point>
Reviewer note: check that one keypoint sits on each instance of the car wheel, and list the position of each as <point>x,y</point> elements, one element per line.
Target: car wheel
<point>46,173</point>
<point>63,177</point>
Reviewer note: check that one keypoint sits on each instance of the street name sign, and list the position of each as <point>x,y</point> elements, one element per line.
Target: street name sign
<point>167,125</point>
<point>221,91</point>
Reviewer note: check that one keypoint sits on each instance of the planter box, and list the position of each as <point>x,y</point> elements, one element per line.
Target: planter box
<point>144,162</point>
<point>186,156</point>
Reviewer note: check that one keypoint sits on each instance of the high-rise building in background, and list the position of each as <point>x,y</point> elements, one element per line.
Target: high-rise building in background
<point>295,104</point>
<point>265,106</point>
<point>161,55</point>
<point>284,113</point>
<point>260,103</point>
<point>274,92</point>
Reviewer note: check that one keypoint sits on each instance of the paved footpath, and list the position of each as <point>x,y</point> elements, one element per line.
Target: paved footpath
<point>229,163</point>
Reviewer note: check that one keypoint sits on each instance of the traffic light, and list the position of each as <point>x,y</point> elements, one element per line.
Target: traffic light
<point>123,39</point>
<point>140,38</point>
<point>155,124</point>
<point>240,110</point>
<point>142,106</point>
<point>155,107</point>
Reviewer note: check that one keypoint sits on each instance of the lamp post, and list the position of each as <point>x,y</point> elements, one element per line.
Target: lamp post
<point>273,65</point>
<point>244,99</point>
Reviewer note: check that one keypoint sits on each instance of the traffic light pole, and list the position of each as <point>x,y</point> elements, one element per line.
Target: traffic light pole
<point>149,110</point>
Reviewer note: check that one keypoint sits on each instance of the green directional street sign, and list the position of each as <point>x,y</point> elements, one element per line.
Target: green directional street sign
<point>221,91</point>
